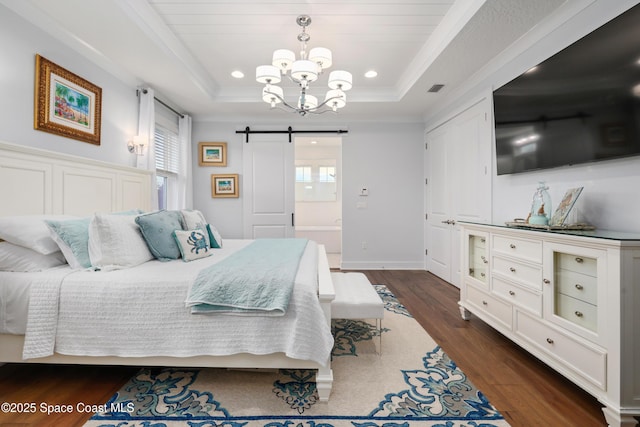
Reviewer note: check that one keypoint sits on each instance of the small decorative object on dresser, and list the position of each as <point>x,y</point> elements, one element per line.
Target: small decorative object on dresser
<point>569,199</point>
<point>540,206</point>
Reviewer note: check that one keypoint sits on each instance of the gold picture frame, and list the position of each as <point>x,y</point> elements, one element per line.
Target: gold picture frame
<point>66,104</point>
<point>224,185</point>
<point>212,154</point>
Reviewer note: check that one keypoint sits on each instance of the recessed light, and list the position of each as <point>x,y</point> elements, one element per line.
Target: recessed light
<point>314,142</point>
<point>371,74</point>
<point>237,74</point>
<point>532,70</point>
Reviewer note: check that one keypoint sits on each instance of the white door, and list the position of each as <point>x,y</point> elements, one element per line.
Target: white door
<point>268,186</point>
<point>458,170</point>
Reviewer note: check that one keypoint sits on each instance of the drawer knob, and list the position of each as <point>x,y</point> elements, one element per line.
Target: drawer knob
<point>482,240</point>
<point>512,246</point>
<point>549,340</point>
<point>485,303</point>
<point>546,281</point>
<point>511,269</point>
<point>579,286</point>
<point>482,274</point>
<point>579,260</point>
<point>578,313</point>
<point>512,293</point>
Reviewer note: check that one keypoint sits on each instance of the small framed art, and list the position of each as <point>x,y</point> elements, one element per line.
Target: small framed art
<point>212,154</point>
<point>66,104</point>
<point>224,185</point>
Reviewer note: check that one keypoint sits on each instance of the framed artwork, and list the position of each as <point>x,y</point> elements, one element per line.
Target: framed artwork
<point>212,154</point>
<point>562,211</point>
<point>224,185</point>
<point>66,104</point>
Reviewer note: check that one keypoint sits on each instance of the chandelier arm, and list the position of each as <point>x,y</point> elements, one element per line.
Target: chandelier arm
<point>325,102</point>
<point>281,100</point>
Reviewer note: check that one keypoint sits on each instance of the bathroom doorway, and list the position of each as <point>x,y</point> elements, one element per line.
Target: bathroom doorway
<point>318,193</point>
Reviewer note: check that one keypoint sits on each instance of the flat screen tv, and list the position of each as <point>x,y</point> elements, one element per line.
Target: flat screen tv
<point>580,105</point>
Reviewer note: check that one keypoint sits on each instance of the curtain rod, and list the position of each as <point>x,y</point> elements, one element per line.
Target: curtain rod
<point>289,131</point>
<point>166,105</point>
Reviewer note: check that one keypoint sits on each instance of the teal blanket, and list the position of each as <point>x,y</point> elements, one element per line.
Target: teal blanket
<point>255,281</point>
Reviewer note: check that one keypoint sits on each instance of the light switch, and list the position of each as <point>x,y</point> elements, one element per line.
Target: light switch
<point>364,191</point>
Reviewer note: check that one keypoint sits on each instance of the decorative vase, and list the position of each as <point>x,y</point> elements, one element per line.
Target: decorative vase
<point>541,205</point>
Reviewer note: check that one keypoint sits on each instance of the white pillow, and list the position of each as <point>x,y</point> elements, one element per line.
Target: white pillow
<point>30,231</point>
<point>18,258</point>
<point>193,219</point>
<point>116,242</point>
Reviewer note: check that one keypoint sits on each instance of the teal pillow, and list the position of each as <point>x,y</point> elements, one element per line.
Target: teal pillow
<point>72,237</point>
<point>215,240</point>
<point>157,229</point>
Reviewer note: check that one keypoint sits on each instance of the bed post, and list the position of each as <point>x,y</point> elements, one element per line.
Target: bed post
<point>326,294</point>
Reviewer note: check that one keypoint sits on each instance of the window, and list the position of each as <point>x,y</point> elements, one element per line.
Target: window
<point>167,164</point>
<point>327,174</point>
<point>303,173</point>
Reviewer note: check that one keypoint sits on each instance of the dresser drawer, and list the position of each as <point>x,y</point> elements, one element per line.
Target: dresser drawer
<point>578,312</point>
<point>525,274</point>
<point>530,250</point>
<point>576,285</point>
<point>582,265</point>
<point>498,310</point>
<point>586,360</point>
<point>532,301</point>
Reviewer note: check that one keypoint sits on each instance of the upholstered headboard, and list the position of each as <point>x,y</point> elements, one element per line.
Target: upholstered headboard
<point>35,181</point>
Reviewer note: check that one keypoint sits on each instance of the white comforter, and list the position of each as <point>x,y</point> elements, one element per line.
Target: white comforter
<point>141,312</point>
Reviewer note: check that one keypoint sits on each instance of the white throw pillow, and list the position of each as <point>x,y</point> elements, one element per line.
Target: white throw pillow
<point>19,258</point>
<point>116,242</point>
<point>193,219</point>
<point>30,231</point>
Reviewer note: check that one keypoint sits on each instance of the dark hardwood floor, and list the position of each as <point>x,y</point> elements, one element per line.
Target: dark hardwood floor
<point>523,389</point>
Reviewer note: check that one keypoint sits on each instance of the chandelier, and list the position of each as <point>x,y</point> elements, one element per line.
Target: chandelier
<point>304,71</point>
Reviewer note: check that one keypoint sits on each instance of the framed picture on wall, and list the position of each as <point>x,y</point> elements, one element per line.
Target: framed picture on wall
<point>66,104</point>
<point>224,185</point>
<point>212,154</point>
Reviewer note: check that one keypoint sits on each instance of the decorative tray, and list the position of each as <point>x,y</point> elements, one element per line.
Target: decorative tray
<point>579,226</point>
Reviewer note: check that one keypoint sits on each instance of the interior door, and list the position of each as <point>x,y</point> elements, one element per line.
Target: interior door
<point>458,165</point>
<point>438,235</point>
<point>268,186</point>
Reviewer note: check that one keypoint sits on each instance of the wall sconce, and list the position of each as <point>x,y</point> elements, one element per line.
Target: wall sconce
<point>137,145</point>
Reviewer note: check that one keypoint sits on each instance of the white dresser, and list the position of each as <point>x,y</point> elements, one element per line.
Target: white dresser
<point>572,299</point>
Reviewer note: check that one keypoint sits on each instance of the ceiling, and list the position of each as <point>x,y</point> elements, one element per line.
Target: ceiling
<point>186,49</point>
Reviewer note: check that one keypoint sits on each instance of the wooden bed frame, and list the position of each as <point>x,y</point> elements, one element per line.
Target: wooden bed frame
<point>53,183</point>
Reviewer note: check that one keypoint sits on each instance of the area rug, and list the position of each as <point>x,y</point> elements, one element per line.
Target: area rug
<point>394,376</point>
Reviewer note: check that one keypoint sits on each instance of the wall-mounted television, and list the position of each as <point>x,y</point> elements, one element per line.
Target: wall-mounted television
<point>580,105</point>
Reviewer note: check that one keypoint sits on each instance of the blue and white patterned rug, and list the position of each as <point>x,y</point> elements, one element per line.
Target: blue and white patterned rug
<point>412,382</point>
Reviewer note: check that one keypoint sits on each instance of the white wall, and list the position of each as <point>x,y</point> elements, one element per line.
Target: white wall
<point>609,199</point>
<point>387,158</point>
<point>20,41</point>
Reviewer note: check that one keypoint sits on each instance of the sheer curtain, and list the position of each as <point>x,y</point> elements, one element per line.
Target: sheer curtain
<point>185,176</point>
<point>146,131</point>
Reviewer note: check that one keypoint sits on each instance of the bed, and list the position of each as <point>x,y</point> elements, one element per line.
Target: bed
<point>56,184</point>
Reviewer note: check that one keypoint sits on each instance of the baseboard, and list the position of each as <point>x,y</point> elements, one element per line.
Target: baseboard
<point>382,265</point>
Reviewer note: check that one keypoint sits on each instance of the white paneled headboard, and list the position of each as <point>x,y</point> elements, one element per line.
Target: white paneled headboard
<point>35,181</point>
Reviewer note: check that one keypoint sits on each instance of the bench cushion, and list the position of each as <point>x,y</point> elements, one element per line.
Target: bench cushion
<point>355,298</point>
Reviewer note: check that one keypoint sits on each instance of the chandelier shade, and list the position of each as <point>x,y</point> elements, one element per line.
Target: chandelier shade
<point>305,70</point>
<point>310,102</point>
<point>268,74</point>
<point>283,59</point>
<point>272,94</point>
<point>340,80</point>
